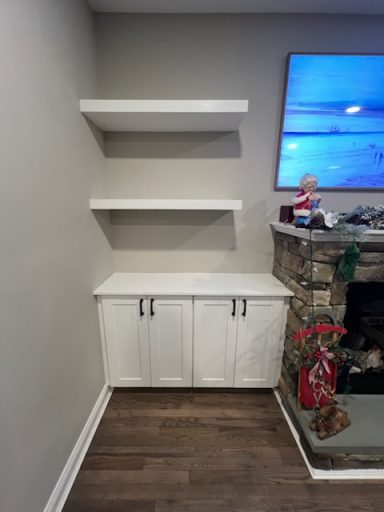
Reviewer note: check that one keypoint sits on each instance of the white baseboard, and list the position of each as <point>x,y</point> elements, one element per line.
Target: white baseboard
<point>60,492</point>
<point>330,474</point>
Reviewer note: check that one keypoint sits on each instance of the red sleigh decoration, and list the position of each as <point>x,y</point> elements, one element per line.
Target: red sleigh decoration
<point>315,394</point>
<point>320,356</point>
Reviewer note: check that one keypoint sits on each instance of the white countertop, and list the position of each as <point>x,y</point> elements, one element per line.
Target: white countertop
<point>252,285</point>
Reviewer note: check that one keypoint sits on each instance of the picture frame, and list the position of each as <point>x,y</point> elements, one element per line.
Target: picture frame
<point>332,122</point>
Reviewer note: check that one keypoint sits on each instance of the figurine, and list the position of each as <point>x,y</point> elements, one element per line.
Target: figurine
<point>306,201</point>
<point>329,421</point>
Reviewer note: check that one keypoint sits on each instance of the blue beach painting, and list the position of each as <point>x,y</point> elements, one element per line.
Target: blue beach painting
<point>333,122</point>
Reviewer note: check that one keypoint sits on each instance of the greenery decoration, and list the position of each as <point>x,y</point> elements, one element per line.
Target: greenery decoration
<point>347,265</point>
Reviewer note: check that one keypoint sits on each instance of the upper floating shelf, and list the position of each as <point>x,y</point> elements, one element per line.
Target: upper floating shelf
<point>165,115</point>
<point>166,204</point>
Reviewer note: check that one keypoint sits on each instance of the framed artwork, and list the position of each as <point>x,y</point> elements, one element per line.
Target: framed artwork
<point>333,122</point>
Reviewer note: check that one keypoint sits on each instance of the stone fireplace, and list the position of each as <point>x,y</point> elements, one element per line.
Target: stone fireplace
<point>302,257</point>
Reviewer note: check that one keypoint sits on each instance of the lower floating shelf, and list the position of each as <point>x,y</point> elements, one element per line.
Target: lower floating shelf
<point>166,204</point>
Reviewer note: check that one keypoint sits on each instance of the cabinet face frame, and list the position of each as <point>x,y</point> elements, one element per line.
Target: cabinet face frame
<point>104,343</point>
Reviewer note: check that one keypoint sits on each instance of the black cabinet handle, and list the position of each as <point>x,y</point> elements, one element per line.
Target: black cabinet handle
<point>245,307</point>
<point>234,307</point>
<point>141,307</point>
<point>152,311</point>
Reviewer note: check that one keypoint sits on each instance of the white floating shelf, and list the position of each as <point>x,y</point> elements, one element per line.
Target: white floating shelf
<point>166,204</point>
<point>165,115</point>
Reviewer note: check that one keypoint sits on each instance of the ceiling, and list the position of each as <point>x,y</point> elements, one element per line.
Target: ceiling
<point>371,7</point>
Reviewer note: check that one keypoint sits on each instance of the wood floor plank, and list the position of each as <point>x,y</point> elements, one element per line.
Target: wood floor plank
<point>106,505</point>
<point>150,491</point>
<point>272,474</point>
<point>113,461</point>
<point>219,439</point>
<point>293,504</point>
<point>208,505</point>
<point>377,504</point>
<point>189,412</point>
<point>243,461</point>
<point>122,476</point>
<point>183,451</point>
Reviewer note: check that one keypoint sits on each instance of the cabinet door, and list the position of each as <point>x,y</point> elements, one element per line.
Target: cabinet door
<point>258,337</point>
<point>170,338</point>
<point>215,324</point>
<point>126,334</point>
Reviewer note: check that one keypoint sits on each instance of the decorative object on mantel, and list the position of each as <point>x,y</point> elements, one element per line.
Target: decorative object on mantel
<point>307,213</point>
<point>286,214</point>
<point>347,265</point>
<point>306,201</point>
<point>363,215</point>
<point>360,219</point>
<point>351,224</point>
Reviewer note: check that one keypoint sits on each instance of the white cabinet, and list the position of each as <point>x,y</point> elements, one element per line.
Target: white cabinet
<point>201,330</point>
<point>148,341</point>
<point>237,342</point>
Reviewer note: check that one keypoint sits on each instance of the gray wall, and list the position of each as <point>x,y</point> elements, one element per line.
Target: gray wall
<point>53,252</point>
<point>210,57</point>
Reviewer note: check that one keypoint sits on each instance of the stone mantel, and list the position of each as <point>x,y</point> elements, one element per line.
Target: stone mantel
<point>318,235</point>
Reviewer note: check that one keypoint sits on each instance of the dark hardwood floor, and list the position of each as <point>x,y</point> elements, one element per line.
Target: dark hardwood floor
<point>205,452</point>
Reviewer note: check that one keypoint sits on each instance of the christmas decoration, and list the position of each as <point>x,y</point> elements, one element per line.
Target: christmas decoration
<point>319,356</point>
<point>329,420</point>
<point>306,200</point>
<point>370,216</point>
<point>348,262</point>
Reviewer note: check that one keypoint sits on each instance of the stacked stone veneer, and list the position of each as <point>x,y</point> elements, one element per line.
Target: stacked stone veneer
<point>292,266</point>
